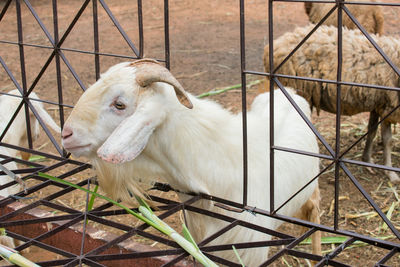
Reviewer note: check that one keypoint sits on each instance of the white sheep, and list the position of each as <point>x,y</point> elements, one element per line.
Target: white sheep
<point>369,16</point>
<point>131,126</point>
<point>317,58</point>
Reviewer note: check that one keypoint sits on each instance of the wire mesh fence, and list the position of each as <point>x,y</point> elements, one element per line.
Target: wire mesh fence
<point>53,220</point>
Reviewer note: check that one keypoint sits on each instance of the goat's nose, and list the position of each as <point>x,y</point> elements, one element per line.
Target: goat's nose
<point>66,132</point>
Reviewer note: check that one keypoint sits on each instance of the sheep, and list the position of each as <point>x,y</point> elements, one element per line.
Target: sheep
<point>131,126</point>
<point>16,135</point>
<point>369,16</point>
<point>317,58</point>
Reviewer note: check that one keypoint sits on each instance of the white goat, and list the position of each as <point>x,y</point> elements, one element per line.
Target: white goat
<point>16,134</point>
<point>130,124</point>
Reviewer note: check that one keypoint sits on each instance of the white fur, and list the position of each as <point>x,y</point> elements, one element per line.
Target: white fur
<point>194,150</point>
<point>16,134</point>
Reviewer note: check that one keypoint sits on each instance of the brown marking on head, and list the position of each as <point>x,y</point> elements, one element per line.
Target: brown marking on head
<point>149,71</point>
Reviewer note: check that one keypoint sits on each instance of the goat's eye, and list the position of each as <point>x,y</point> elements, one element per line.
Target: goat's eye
<point>119,105</point>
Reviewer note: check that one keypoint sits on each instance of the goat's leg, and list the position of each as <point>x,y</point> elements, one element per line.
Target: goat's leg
<point>25,155</point>
<point>386,132</point>
<point>372,128</point>
<point>310,212</point>
<point>314,218</point>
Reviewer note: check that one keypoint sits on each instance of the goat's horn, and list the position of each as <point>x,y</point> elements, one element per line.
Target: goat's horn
<point>149,71</point>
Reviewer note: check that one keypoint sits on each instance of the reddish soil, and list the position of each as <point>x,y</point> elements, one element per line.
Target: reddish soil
<point>205,54</point>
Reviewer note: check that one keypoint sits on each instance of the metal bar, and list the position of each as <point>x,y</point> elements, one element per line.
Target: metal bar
<point>166,35</point>
<point>136,255</point>
<point>44,126</point>
<point>38,220</point>
<point>58,68</point>
<point>301,152</point>
<point>45,155</point>
<point>140,29</point>
<point>96,40</point>
<point>37,100</point>
<point>370,200</point>
<point>85,221</point>
<point>31,241</point>
<point>379,3</point>
<point>242,223</point>
<point>73,72</point>
<point>72,24</point>
<point>219,233</point>
<point>34,14</point>
<point>387,257</point>
<point>244,100</point>
<point>304,117</point>
<point>271,109</point>
<point>304,39</point>
<point>20,105</point>
<point>372,41</point>
<point>302,188</point>
<point>258,244</point>
<point>4,10</point>
<point>120,29</point>
<point>304,255</point>
<point>338,112</point>
<point>373,165</point>
<point>335,252</point>
<point>290,246</point>
<point>23,72</point>
<point>276,75</point>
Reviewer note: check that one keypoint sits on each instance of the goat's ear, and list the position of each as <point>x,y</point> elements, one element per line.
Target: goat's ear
<point>47,119</point>
<point>130,138</point>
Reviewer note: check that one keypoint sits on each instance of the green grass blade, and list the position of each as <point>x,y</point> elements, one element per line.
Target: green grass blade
<point>143,203</point>
<point>92,198</point>
<point>225,89</point>
<point>238,256</point>
<point>188,236</point>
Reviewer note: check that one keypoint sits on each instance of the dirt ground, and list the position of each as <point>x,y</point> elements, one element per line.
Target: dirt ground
<point>205,54</point>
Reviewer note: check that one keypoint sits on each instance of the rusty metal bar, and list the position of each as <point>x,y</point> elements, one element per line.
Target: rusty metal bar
<point>244,100</point>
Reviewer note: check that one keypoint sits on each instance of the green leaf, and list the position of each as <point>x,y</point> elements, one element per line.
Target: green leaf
<point>143,203</point>
<point>188,236</point>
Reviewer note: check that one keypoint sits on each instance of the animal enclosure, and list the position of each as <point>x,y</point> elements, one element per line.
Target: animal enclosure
<point>58,49</point>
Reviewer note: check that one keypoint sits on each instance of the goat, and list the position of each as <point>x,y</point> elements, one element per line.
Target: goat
<point>17,135</point>
<point>137,122</point>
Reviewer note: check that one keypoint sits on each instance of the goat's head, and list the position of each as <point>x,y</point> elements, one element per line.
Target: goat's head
<point>115,117</point>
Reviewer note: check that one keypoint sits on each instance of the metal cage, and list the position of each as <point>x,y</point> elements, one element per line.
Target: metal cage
<point>21,220</point>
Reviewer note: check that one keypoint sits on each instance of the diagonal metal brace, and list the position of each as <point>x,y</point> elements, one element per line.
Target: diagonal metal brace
<point>13,176</point>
